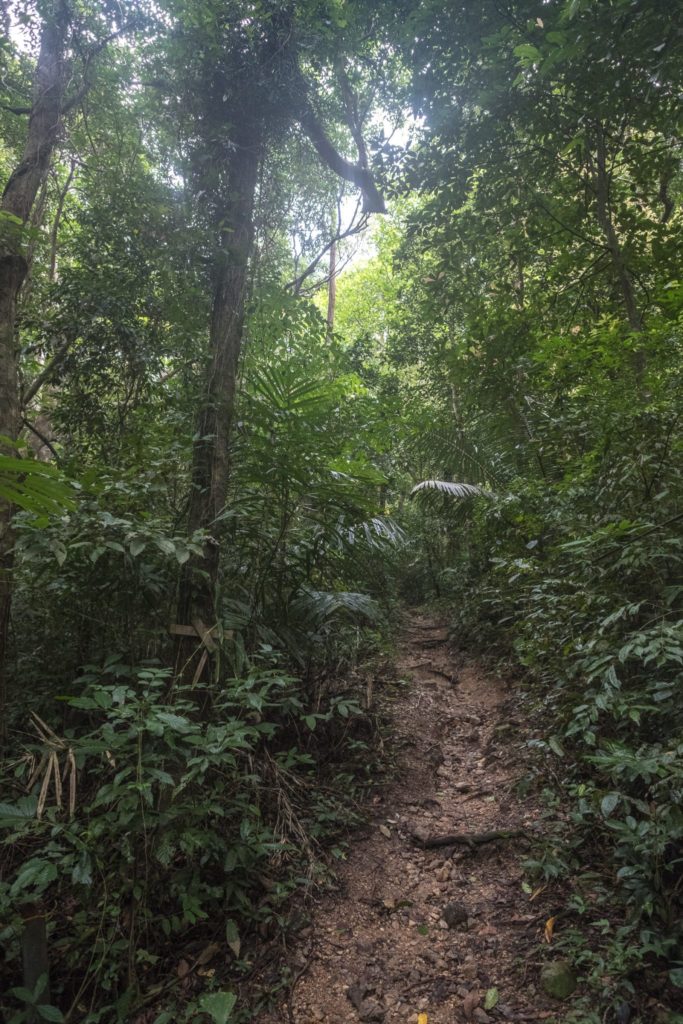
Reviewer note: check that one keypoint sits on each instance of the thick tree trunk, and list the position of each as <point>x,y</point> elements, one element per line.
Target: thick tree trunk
<point>16,206</point>
<point>211,455</point>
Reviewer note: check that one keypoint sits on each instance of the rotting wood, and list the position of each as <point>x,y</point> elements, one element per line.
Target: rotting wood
<point>204,632</point>
<point>200,631</point>
<point>34,952</point>
<point>177,629</point>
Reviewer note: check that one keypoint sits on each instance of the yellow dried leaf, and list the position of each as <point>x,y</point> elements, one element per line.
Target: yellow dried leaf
<point>422,1018</point>
<point>537,892</point>
<point>548,931</point>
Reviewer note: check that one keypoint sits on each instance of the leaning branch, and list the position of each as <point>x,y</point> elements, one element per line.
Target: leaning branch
<point>355,173</point>
<point>353,116</point>
<point>45,374</point>
<point>41,437</point>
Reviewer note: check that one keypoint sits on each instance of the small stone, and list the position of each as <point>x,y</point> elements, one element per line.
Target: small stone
<point>455,915</point>
<point>558,979</point>
<point>371,1010</point>
<point>481,1016</point>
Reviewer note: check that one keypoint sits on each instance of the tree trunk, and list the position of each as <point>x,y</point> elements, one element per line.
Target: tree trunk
<point>622,274</point>
<point>211,455</point>
<point>332,283</point>
<point>15,210</point>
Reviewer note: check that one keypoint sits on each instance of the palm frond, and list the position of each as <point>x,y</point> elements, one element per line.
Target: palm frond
<point>35,486</point>
<point>455,490</point>
<point>319,606</point>
<point>376,533</point>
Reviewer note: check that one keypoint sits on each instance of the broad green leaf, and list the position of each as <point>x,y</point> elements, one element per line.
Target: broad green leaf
<point>232,937</point>
<point>608,803</point>
<point>51,1013</point>
<point>491,999</point>
<point>219,1006</point>
<point>35,874</point>
<point>527,51</point>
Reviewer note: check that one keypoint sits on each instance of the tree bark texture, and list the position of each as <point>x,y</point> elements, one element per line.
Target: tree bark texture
<point>17,203</point>
<point>211,453</point>
<point>332,282</point>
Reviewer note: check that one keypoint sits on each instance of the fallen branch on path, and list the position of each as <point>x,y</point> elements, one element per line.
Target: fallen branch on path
<point>430,667</point>
<point>450,676</point>
<point>471,839</point>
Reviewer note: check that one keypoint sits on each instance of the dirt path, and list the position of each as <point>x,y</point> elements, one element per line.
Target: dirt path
<point>412,930</point>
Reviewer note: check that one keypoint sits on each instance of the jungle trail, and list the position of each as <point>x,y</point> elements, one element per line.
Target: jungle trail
<point>341,480</point>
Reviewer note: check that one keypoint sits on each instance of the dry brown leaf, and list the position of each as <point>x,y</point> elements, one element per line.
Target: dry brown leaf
<point>183,968</point>
<point>487,929</point>
<point>208,953</point>
<point>58,781</point>
<point>537,892</point>
<point>470,1003</point>
<point>548,930</point>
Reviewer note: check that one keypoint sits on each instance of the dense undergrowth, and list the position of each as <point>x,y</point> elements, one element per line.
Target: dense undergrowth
<point>160,826</point>
<point>583,602</point>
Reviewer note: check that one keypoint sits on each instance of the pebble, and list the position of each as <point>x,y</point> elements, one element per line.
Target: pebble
<point>455,915</point>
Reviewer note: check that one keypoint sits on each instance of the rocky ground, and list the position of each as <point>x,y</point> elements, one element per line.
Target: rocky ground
<point>450,932</point>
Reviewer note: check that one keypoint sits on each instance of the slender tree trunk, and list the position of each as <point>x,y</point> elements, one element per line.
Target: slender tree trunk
<point>211,455</point>
<point>332,283</point>
<point>15,210</point>
<point>54,234</point>
<point>622,274</point>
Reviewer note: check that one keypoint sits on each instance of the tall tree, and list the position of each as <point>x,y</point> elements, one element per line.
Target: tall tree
<point>18,200</point>
<point>70,40</point>
<point>248,89</point>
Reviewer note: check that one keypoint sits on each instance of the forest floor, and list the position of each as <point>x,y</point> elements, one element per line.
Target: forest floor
<point>410,930</point>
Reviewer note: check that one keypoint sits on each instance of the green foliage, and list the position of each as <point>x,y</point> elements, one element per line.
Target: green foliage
<point>36,487</point>
<point>514,343</point>
<point>163,822</point>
